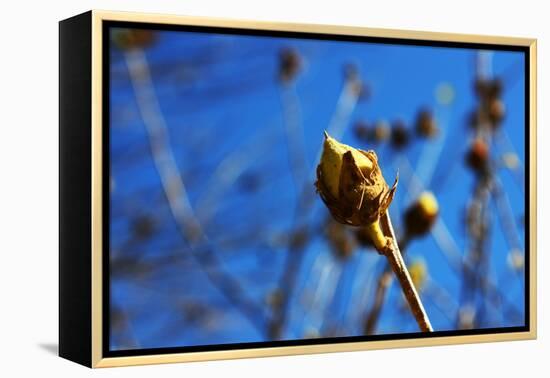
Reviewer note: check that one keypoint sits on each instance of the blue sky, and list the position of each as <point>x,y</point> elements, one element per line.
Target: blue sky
<point>219,95</point>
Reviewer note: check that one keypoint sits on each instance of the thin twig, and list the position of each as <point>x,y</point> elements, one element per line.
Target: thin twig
<point>400,270</point>
<point>382,284</point>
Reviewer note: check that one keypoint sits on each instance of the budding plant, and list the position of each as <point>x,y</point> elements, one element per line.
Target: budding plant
<point>351,184</point>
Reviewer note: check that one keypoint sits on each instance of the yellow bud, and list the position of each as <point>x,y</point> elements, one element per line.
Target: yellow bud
<point>418,272</point>
<point>351,184</point>
<point>421,215</point>
<point>331,162</point>
<point>428,204</point>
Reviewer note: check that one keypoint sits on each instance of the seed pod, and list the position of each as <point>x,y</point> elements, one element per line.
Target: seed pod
<point>477,157</point>
<point>496,112</point>
<point>400,136</point>
<point>143,227</point>
<point>351,184</point>
<point>488,89</point>
<point>290,64</point>
<point>362,131</point>
<point>127,39</point>
<point>381,132</point>
<point>425,124</point>
<point>421,215</point>
<point>372,134</point>
<point>350,71</point>
<point>357,86</point>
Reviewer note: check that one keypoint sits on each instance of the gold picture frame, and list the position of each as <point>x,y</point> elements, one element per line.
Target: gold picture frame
<point>91,355</point>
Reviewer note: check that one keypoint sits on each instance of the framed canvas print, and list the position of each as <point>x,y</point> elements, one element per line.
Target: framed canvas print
<point>236,189</point>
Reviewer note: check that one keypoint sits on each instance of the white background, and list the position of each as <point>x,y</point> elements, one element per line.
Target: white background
<point>29,189</point>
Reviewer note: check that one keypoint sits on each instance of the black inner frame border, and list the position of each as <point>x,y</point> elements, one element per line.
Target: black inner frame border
<point>107,25</point>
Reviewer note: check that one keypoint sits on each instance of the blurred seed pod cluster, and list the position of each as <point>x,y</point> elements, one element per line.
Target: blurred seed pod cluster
<point>374,134</point>
<point>399,135</point>
<point>490,110</point>
<point>486,119</point>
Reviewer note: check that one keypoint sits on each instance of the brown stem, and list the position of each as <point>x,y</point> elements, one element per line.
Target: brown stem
<point>400,270</point>
<point>383,283</point>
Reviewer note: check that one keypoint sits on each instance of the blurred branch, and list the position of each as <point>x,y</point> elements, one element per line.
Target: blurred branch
<point>504,210</point>
<point>294,134</point>
<point>174,187</point>
<point>516,168</point>
<point>344,108</point>
<point>453,255</point>
<point>346,103</point>
<point>441,299</point>
<point>228,171</point>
